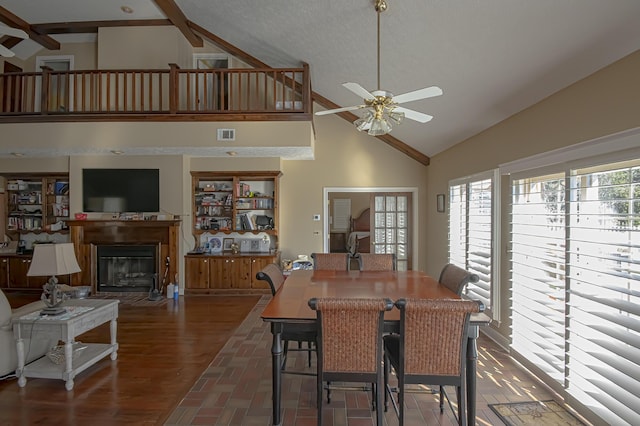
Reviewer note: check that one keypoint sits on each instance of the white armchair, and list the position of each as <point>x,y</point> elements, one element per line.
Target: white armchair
<point>33,349</point>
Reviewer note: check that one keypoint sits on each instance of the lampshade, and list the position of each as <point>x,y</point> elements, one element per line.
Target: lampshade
<point>53,259</point>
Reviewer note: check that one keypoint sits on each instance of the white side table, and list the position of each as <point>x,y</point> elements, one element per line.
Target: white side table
<point>82,315</point>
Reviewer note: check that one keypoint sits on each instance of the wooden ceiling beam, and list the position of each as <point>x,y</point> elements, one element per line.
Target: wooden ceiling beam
<point>85,27</point>
<point>177,18</point>
<point>14,21</point>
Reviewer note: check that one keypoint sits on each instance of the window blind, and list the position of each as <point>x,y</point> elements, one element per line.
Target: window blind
<point>575,256</point>
<point>471,234</point>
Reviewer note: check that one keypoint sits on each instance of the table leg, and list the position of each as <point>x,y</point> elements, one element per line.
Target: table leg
<point>22,381</point>
<point>68,359</point>
<point>114,341</point>
<point>472,358</point>
<point>276,372</point>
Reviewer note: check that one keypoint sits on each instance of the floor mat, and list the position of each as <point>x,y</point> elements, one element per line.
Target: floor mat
<point>534,413</point>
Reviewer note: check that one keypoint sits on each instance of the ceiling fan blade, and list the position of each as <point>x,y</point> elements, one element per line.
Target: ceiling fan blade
<point>359,90</point>
<point>427,92</point>
<point>414,115</point>
<point>4,52</point>
<point>333,111</point>
<point>13,32</point>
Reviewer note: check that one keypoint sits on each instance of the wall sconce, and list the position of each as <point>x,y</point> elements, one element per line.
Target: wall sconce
<point>440,203</point>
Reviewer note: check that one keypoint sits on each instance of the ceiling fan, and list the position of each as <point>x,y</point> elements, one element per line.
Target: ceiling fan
<point>12,32</point>
<point>381,106</point>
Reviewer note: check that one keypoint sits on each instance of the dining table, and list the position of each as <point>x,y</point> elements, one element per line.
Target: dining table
<point>289,307</point>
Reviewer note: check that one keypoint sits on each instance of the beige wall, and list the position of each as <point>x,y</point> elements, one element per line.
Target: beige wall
<point>604,103</point>
<point>344,157</point>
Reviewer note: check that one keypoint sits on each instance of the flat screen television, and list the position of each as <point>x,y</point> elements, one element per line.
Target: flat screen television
<point>120,190</point>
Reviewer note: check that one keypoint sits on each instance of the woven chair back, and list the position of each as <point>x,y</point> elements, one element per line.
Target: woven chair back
<point>272,275</point>
<point>434,332</point>
<point>377,262</point>
<point>455,278</point>
<point>330,261</point>
<point>351,334</point>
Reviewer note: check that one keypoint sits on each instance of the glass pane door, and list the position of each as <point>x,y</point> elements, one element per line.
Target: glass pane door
<point>391,223</point>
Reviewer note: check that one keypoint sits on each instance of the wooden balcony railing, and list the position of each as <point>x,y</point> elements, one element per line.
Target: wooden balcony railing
<point>174,93</point>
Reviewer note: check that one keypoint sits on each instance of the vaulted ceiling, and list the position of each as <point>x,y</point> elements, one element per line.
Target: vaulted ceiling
<point>492,58</point>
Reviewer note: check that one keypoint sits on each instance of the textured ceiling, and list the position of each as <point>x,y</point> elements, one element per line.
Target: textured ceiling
<point>492,58</point>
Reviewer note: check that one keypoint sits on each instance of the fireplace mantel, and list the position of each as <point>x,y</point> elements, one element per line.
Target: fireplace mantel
<point>86,235</point>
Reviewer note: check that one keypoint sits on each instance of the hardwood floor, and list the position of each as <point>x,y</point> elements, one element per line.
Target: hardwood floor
<point>162,351</point>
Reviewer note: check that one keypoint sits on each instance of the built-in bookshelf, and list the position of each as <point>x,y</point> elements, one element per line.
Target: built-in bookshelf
<point>242,202</point>
<point>36,204</point>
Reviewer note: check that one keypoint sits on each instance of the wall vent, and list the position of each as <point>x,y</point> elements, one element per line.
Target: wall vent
<point>226,134</point>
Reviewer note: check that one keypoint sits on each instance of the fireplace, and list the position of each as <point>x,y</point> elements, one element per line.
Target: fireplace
<point>126,268</point>
<point>159,235</point>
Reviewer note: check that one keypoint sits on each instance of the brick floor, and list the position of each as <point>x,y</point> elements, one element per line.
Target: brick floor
<point>236,388</point>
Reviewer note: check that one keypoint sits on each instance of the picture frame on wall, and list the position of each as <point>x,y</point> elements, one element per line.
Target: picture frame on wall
<point>440,203</point>
<point>226,244</point>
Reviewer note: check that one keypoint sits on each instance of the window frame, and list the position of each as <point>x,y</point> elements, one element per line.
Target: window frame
<point>494,308</point>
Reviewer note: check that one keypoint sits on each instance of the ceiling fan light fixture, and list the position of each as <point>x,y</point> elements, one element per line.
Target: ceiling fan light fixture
<point>396,117</point>
<point>379,127</point>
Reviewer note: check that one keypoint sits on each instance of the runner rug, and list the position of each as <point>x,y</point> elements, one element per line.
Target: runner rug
<point>534,413</point>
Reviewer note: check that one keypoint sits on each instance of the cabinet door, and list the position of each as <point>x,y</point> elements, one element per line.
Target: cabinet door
<point>18,268</point>
<point>257,264</point>
<point>239,272</point>
<point>219,273</point>
<point>4,272</point>
<point>196,272</point>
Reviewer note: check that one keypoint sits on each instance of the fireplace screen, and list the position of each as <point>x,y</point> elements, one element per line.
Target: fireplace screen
<point>126,268</point>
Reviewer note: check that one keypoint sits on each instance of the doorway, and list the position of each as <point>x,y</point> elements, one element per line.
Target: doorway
<point>371,220</point>
<point>60,94</point>
<point>212,88</point>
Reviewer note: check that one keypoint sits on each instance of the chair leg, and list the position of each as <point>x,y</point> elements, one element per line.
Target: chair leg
<point>310,347</point>
<point>386,384</point>
<point>284,355</point>
<point>441,400</point>
<point>401,399</point>
<point>319,398</point>
<point>378,388</point>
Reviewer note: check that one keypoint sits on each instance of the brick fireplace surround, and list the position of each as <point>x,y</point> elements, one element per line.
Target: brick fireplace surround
<point>86,235</point>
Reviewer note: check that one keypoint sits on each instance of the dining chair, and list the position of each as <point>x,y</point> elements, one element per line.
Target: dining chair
<point>377,261</point>
<point>330,261</point>
<point>431,349</point>
<point>290,332</point>
<point>455,278</point>
<point>350,344</point>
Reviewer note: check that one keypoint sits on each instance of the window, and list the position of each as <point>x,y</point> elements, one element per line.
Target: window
<point>472,235</point>
<point>575,264</point>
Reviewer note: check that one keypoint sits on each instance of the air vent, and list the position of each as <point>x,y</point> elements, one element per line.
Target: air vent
<point>226,134</point>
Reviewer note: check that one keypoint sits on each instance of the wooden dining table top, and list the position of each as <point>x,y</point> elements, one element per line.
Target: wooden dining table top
<point>290,302</point>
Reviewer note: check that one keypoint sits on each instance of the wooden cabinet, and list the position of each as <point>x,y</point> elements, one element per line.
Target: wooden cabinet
<point>13,274</point>
<point>36,203</point>
<point>4,272</point>
<point>225,273</point>
<point>257,264</point>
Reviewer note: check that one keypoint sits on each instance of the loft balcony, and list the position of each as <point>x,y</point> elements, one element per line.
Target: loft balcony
<point>173,94</point>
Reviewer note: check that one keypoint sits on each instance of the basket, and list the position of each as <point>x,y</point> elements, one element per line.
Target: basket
<point>56,353</point>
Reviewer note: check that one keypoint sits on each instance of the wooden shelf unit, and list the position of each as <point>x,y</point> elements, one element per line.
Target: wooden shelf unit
<point>36,203</point>
<point>226,202</point>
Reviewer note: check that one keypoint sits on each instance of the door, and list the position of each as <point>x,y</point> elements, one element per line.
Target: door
<point>391,226</point>
<point>60,92</point>
<point>212,87</point>
<point>392,229</point>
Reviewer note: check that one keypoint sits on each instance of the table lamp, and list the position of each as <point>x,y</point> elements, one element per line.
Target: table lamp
<point>52,260</point>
